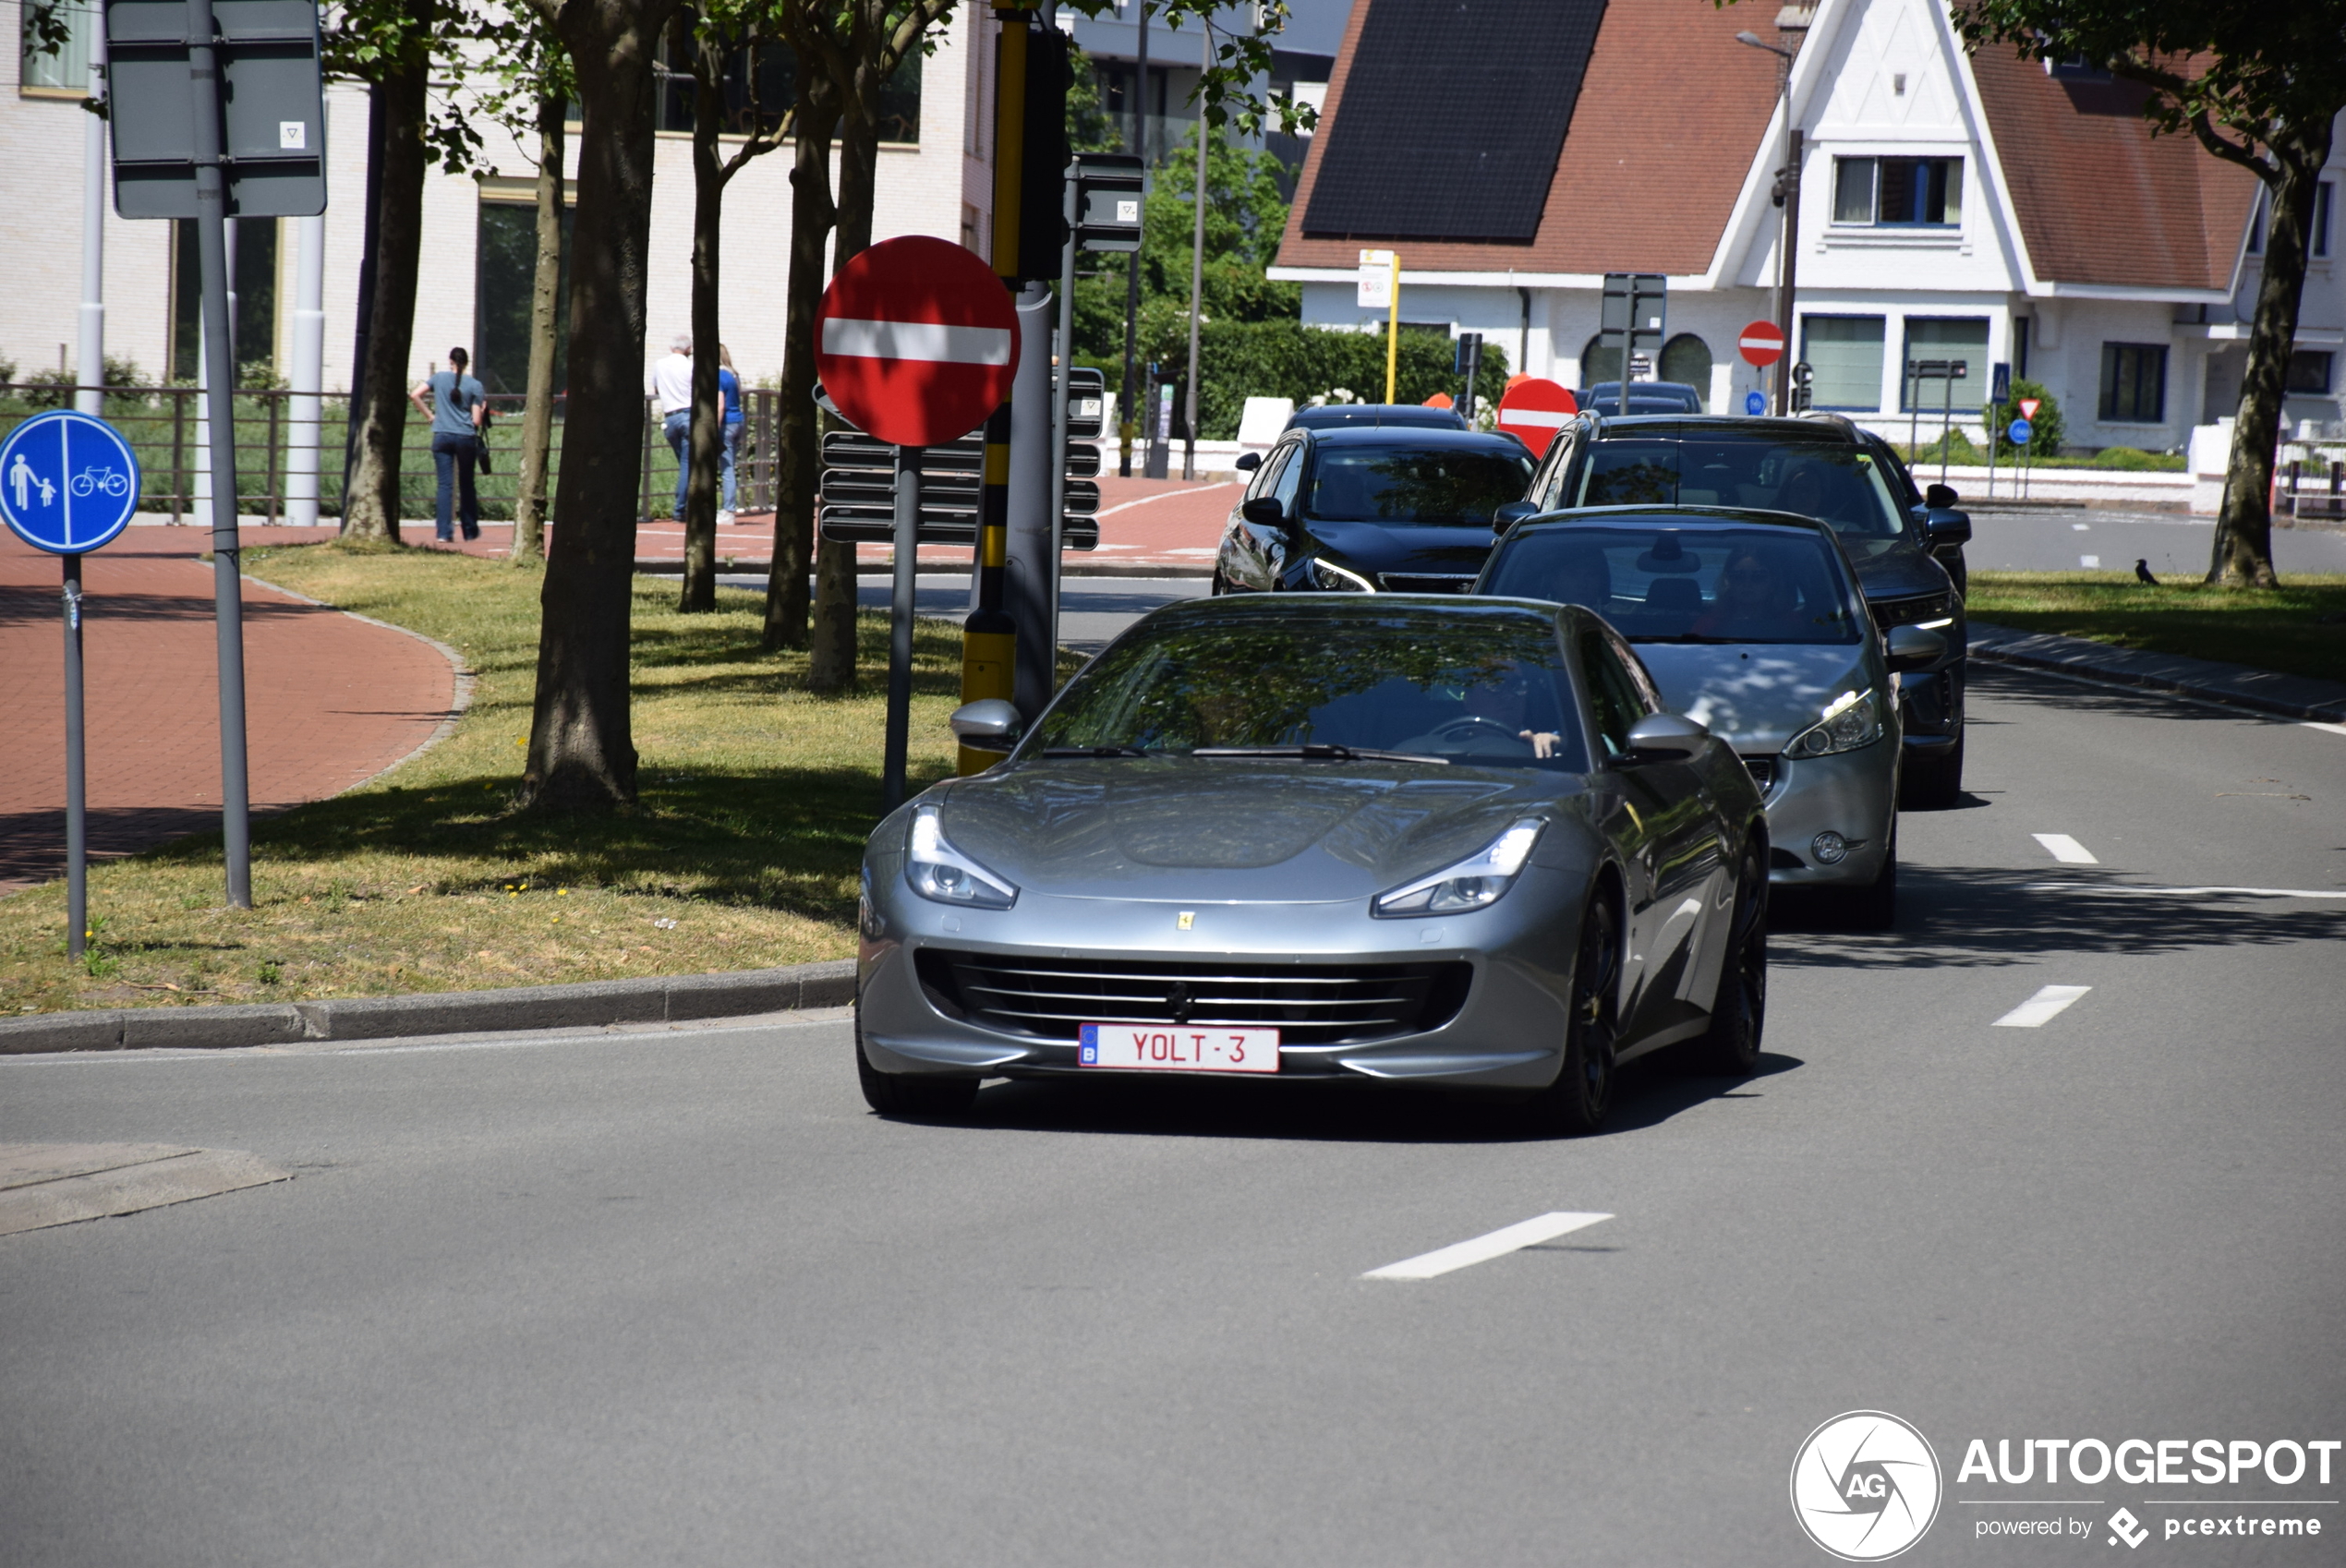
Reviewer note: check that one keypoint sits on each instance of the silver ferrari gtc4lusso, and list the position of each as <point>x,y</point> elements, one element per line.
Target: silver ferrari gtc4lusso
<point>1379,837</point>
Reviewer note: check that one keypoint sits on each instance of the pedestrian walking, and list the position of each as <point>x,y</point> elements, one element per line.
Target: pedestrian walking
<point>729,383</point>
<point>673,384</point>
<point>458,406</point>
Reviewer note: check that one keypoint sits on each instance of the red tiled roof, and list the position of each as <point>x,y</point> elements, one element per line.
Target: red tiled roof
<point>2100,200</point>
<point>1670,112</point>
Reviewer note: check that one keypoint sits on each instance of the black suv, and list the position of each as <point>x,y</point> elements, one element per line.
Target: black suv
<point>1907,545</point>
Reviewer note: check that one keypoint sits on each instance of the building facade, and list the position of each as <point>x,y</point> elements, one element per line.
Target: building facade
<point>1950,205</point>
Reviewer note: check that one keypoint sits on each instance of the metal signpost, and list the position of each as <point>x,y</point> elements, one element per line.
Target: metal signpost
<point>217,112</point>
<point>69,484</point>
<point>1635,307</point>
<point>1469,361</point>
<point>917,344</point>
<point>1998,394</point>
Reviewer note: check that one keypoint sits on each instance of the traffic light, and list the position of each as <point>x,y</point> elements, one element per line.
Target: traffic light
<point>1042,228</point>
<point>1804,388</point>
<point>1108,196</point>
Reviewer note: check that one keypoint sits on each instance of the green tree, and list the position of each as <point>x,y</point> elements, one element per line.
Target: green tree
<point>2259,85</point>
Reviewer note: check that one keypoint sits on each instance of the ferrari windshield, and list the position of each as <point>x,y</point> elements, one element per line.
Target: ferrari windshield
<point>1398,484</point>
<point>1659,584</point>
<point>1486,688</point>
<point>1832,482</point>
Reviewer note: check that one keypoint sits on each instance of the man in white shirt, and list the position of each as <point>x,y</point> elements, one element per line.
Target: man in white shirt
<point>673,384</point>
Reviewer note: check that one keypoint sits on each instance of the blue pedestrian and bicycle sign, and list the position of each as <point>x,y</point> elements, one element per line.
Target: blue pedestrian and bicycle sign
<point>68,482</point>
<point>1755,403</point>
<point>2020,432</point>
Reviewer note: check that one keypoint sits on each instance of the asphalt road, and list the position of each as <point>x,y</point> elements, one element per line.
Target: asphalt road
<point>2172,544</point>
<point>677,1297</point>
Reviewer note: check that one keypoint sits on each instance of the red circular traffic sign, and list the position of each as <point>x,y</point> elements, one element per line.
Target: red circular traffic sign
<point>1762,344</point>
<point>1534,410</point>
<point>916,342</point>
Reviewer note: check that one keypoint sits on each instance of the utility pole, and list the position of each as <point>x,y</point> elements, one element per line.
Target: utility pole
<point>1788,193</point>
<point>1197,256</point>
<point>1126,423</point>
<point>91,374</point>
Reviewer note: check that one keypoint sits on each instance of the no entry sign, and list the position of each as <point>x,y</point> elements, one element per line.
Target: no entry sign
<point>1534,410</point>
<point>1761,343</point>
<point>917,341</point>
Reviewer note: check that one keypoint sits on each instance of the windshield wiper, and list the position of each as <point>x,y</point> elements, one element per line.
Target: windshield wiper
<point>1328,753</point>
<point>1094,752</point>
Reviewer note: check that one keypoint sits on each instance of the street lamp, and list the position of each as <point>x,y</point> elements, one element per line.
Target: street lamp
<point>1787,195</point>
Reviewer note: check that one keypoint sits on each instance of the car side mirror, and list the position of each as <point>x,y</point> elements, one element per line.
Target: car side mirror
<point>1666,737</point>
<point>1265,510</point>
<point>990,724</point>
<point>1939,498</point>
<point>1249,462</point>
<point>1912,647</point>
<point>1511,512</point>
<point>1946,528</point>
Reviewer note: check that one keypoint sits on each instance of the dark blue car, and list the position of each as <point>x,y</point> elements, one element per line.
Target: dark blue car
<point>1370,509</point>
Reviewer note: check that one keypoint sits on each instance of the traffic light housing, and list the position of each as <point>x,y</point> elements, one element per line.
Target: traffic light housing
<point>1804,387</point>
<point>1042,225</point>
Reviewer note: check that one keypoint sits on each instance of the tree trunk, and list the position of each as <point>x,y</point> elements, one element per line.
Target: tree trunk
<point>831,667</point>
<point>371,510</point>
<point>705,448</point>
<point>798,464</point>
<point>581,752</point>
<point>2244,551</point>
<point>537,418</point>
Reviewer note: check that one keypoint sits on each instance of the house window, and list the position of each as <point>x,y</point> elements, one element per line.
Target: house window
<point>2309,372</point>
<point>2134,384</point>
<point>54,46</point>
<point>1844,352</point>
<point>1898,192</point>
<point>504,283</point>
<point>1685,360</point>
<point>1947,337</point>
<point>777,80</point>
<point>2020,330</point>
<point>255,280</point>
<point>2319,244</point>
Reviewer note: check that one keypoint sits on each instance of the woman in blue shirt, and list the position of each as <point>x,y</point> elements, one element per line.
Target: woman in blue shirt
<point>729,384</point>
<point>458,407</point>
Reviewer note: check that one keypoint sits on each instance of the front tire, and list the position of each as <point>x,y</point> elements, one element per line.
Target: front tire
<point>1933,781</point>
<point>912,1096</point>
<point>1739,1012</point>
<point>1582,1094</point>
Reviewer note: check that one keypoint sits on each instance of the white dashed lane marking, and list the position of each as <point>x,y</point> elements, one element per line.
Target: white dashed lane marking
<point>2194,892</point>
<point>2066,850</point>
<point>2046,1004</point>
<point>1482,1249</point>
<point>2333,729</point>
<point>2089,560</point>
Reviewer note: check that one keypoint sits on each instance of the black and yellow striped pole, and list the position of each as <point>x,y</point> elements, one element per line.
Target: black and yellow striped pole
<point>989,638</point>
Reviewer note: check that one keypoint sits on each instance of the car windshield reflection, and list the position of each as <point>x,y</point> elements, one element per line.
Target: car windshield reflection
<point>1413,485</point>
<point>1839,485</point>
<point>1659,584</point>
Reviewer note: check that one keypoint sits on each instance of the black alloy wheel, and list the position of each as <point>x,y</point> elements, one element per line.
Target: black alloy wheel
<point>1739,1012</point>
<point>912,1096</point>
<point>1582,1093</point>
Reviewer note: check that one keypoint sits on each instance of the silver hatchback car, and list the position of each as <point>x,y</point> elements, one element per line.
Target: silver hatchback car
<point>1347,837</point>
<point>1753,624</point>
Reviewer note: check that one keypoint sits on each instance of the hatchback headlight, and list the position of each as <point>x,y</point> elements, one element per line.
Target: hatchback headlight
<point>1852,720</point>
<point>1337,579</point>
<point>1469,885</point>
<point>938,871</point>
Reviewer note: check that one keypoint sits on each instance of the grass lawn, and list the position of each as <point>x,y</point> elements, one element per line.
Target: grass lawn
<point>757,798</point>
<point>2298,628</point>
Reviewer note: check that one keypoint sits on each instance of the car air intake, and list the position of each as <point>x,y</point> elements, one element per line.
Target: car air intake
<point>1763,772</point>
<point>1426,582</point>
<point>1309,1004</point>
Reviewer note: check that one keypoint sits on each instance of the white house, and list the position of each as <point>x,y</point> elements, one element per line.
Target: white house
<point>1952,206</point>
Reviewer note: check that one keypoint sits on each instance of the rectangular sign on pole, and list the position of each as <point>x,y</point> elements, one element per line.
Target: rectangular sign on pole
<point>1375,290</point>
<point>272,108</point>
<point>1632,320</point>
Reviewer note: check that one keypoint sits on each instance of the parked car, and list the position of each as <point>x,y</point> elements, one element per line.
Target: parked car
<point>1752,624</point>
<point>1378,839</point>
<point>1341,415</point>
<point>1815,465</point>
<point>1645,397</point>
<point>1369,510</point>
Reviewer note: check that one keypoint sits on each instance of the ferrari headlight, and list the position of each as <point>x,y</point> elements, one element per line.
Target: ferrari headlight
<point>938,871</point>
<point>1338,579</point>
<point>1469,885</point>
<point>1851,722</point>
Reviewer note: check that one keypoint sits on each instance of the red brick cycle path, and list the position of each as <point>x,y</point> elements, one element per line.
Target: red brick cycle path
<point>330,700</point>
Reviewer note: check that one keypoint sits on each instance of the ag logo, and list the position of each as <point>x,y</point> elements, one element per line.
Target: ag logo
<point>1865,1486</point>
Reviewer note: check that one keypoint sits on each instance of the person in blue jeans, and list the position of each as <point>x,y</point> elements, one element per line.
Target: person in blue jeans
<point>672,383</point>
<point>729,384</point>
<point>458,404</point>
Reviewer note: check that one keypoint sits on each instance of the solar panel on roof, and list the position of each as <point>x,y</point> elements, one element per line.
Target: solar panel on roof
<point>1452,118</point>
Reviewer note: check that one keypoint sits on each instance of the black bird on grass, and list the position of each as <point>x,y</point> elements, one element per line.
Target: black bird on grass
<point>2142,574</point>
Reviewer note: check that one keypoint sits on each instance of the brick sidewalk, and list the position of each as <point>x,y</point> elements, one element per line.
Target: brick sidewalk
<point>330,700</point>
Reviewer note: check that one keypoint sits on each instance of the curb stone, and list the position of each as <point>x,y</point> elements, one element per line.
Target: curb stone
<point>681,998</point>
<point>2233,685</point>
